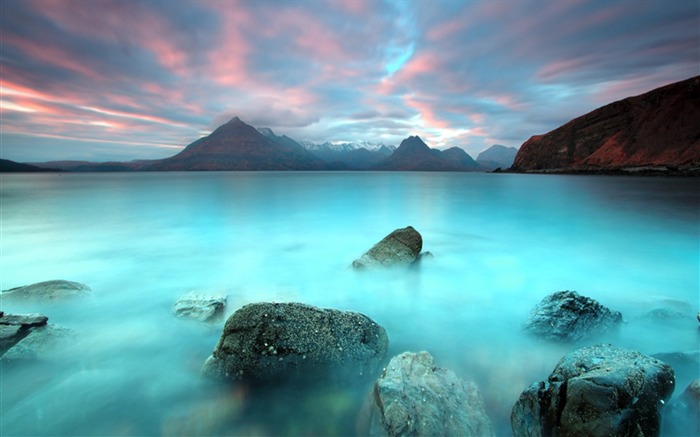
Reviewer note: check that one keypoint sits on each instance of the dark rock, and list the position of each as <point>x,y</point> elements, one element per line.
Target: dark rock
<point>44,342</point>
<point>272,342</point>
<point>15,327</point>
<point>27,320</point>
<point>199,306</point>
<point>413,397</point>
<point>401,247</point>
<point>568,316</point>
<point>598,391</point>
<point>683,415</point>
<point>47,291</point>
<point>686,365</point>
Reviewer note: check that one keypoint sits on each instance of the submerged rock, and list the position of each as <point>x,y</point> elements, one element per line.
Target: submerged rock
<point>401,247</point>
<point>199,306</point>
<point>413,397</point>
<point>270,342</point>
<point>568,316</point>
<point>596,390</point>
<point>47,291</point>
<point>683,415</point>
<point>44,342</point>
<point>15,327</point>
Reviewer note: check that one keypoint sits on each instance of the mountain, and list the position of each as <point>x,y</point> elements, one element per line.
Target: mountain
<point>659,129</point>
<point>239,146</point>
<point>87,166</point>
<point>350,155</point>
<point>497,156</point>
<point>414,155</point>
<point>7,166</point>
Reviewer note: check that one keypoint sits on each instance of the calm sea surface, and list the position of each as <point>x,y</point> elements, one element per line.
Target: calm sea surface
<point>500,242</point>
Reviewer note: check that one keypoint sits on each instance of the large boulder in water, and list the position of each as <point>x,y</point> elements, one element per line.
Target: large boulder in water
<point>270,342</point>
<point>47,291</point>
<point>414,397</point>
<point>401,247</point>
<point>568,316</point>
<point>596,390</point>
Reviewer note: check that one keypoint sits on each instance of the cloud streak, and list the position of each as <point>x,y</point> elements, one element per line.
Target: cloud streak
<point>120,80</point>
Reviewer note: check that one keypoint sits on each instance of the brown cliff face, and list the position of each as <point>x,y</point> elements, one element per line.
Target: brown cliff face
<point>659,128</point>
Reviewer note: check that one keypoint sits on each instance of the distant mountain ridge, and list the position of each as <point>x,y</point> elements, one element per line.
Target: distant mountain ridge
<point>497,156</point>
<point>7,166</point>
<point>236,145</point>
<point>360,155</point>
<point>414,155</point>
<point>658,130</point>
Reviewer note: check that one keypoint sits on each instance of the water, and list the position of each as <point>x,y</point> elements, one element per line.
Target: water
<point>500,242</point>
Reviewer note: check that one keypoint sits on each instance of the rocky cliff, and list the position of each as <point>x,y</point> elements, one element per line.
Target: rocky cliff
<point>659,129</point>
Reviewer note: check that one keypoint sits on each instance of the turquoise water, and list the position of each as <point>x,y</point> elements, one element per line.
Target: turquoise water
<point>501,242</point>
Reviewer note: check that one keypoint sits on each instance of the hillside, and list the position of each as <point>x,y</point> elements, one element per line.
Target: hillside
<point>656,130</point>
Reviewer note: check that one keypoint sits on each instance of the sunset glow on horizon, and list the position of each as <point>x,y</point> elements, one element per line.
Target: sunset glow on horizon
<point>122,80</point>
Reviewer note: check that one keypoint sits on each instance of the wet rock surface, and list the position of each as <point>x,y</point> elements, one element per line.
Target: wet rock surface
<point>47,291</point>
<point>200,306</point>
<point>568,316</point>
<point>401,247</point>
<point>414,397</point>
<point>15,327</point>
<point>683,415</point>
<point>596,390</point>
<point>272,342</point>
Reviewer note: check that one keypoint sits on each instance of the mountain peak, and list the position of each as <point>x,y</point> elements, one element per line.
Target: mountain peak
<point>413,142</point>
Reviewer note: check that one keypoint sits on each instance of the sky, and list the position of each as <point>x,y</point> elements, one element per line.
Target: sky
<point>120,80</point>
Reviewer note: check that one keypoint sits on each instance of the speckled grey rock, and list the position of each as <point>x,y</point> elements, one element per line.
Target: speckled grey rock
<point>683,415</point>
<point>597,391</point>
<point>413,397</point>
<point>271,342</point>
<point>199,306</point>
<point>47,291</point>
<point>401,247</point>
<point>568,316</point>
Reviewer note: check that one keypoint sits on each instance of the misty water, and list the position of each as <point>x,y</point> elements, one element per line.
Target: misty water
<point>500,243</point>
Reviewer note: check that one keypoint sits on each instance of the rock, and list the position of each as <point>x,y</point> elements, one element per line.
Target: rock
<point>663,314</point>
<point>568,316</point>
<point>47,291</point>
<point>401,247</point>
<point>685,364</point>
<point>698,316</point>
<point>270,342</point>
<point>44,342</point>
<point>199,306</point>
<point>683,415</point>
<point>413,397</point>
<point>15,327</point>
<point>596,390</point>
<point>27,320</point>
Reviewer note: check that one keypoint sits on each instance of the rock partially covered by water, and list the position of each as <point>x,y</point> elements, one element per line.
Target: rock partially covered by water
<point>43,342</point>
<point>683,416</point>
<point>270,342</point>
<point>15,327</point>
<point>413,397</point>
<point>199,306</point>
<point>47,291</point>
<point>401,247</point>
<point>596,390</point>
<point>568,316</point>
